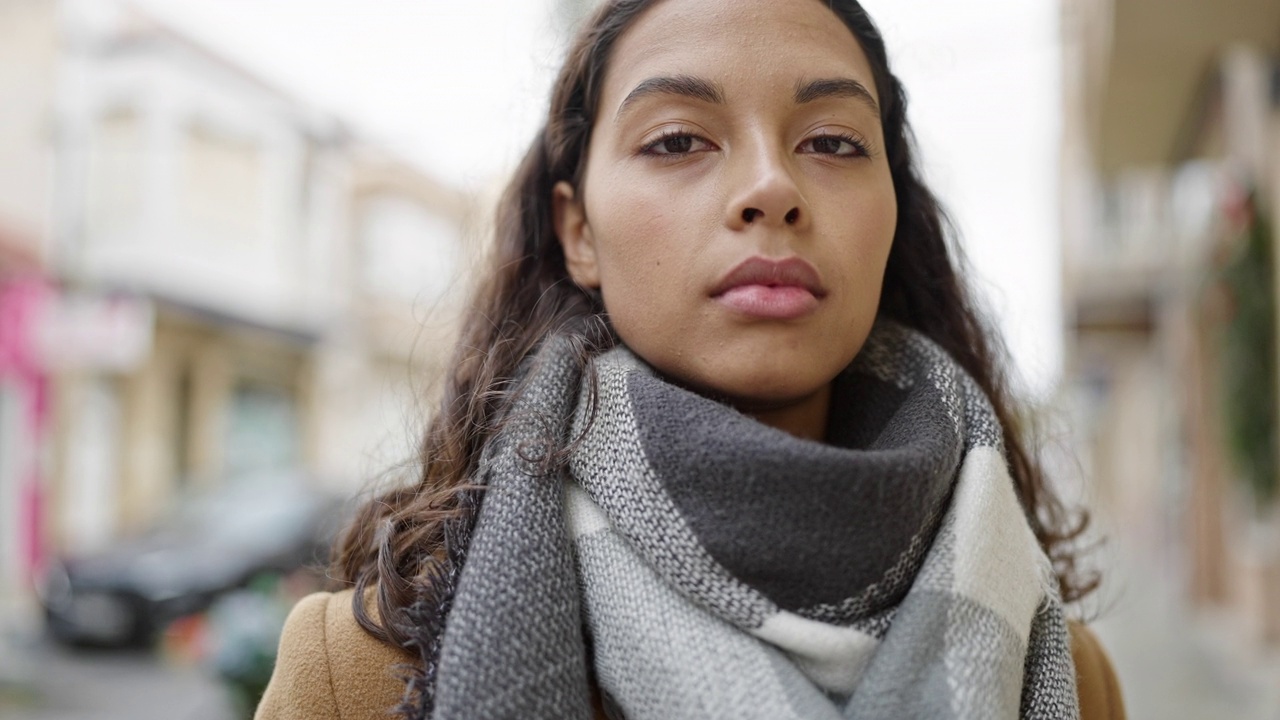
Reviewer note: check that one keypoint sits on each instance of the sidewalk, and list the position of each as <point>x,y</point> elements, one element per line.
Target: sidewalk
<point>1173,664</point>
<point>47,682</point>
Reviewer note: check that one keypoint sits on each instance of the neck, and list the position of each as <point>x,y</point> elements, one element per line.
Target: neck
<point>804,418</point>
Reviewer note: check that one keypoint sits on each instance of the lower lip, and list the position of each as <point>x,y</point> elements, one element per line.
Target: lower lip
<point>780,302</point>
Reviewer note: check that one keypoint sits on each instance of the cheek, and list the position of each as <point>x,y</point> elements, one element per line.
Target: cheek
<point>649,245</point>
<point>873,256</point>
<point>866,228</point>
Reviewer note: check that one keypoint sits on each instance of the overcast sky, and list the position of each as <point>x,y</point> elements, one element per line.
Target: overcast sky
<point>460,87</point>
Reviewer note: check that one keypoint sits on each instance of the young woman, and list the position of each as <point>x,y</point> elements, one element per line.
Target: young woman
<point>724,436</point>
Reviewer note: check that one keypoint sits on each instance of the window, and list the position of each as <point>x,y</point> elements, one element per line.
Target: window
<point>408,251</point>
<point>221,187</point>
<point>262,429</point>
<point>116,169</point>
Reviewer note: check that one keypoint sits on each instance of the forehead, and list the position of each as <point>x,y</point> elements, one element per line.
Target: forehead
<point>744,42</point>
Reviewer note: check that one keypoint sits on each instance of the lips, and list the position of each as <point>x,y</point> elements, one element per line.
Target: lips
<point>771,289</point>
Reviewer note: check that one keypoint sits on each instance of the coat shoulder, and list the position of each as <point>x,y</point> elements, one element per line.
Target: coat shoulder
<point>329,667</point>
<point>1096,680</point>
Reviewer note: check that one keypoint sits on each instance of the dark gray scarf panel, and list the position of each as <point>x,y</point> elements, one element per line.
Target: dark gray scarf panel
<point>807,524</point>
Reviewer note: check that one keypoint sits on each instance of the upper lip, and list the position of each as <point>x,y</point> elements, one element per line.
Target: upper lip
<point>792,271</point>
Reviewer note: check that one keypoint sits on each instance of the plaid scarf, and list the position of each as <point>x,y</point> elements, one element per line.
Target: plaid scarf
<point>695,563</point>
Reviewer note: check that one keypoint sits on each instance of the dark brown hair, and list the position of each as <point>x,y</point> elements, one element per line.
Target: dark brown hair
<point>408,543</point>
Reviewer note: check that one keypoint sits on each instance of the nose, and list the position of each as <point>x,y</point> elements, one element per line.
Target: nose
<point>764,191</point>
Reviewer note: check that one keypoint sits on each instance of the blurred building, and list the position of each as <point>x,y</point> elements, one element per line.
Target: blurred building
<point>28,49</point>
<point>1170,164</point>
<point>203,279</point>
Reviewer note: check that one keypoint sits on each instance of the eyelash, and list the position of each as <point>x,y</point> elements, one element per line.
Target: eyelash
<point>859,145</point>
<point>668,134</point>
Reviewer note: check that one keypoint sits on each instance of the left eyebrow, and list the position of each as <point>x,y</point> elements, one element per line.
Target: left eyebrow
<point>835,88</point>
<point>679,85</point>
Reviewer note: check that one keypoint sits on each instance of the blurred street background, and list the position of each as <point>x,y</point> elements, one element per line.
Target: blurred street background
<point>235,236</point>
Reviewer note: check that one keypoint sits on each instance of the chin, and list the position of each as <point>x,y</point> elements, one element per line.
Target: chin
<point>750,369</point>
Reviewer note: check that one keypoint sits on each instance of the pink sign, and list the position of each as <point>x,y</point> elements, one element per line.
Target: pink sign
<point>22,300</point>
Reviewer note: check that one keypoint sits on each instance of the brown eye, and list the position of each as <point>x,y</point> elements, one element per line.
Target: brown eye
<point>676,144</point>
<point>835,145</point>
<point>827,145</point>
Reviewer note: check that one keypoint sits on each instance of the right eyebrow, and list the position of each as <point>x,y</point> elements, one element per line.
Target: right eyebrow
<point>682,85</point>
<point>836,87</point>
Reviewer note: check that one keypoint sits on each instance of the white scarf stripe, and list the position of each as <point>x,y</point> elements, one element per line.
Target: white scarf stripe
<point>1003,568</point>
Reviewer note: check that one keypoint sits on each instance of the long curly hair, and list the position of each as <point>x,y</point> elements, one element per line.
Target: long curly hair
<point>406,546</point>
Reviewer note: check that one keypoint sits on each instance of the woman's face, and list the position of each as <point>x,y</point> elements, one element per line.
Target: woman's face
<point>737,208</point>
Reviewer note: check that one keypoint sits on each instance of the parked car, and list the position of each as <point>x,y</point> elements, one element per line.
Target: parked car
<point>210,544</point>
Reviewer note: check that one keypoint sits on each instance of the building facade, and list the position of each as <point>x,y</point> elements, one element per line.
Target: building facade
<point>1170,164</point>
<point>231,284</point>
<point>28,63</point>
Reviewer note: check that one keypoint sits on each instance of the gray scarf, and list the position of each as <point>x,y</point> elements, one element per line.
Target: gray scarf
<point>695,563</point>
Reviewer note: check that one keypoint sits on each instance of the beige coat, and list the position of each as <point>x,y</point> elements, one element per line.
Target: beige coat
<point>328,668</point>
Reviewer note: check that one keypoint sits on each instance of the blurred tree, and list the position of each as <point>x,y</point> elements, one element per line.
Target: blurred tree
<point>1249,356</point>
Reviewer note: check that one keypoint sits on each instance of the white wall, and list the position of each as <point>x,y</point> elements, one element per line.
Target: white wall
<point>408,251</point>
<point>197,184</point>
<point>28,59</point>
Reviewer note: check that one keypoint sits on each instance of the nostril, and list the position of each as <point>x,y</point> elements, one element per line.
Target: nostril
<point>749,214</point>
<point>792,216</point>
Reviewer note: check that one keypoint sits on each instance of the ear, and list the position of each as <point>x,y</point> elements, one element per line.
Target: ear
<point>570,218</point>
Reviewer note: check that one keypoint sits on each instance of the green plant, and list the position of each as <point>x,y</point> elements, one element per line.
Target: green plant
<point>1248,359</point>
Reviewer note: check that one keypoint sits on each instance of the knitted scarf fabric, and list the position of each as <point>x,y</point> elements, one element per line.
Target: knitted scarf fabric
<point>694,563</point>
